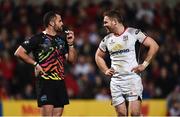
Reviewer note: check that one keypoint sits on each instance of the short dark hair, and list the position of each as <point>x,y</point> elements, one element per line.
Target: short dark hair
<point>48,17</point>
<point>114,14</point>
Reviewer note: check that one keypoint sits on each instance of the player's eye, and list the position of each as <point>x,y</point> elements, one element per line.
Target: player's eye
<point>60,20</point>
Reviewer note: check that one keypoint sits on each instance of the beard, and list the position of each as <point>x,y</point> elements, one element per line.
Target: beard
<point>108,29</point>
<point>58,28</point>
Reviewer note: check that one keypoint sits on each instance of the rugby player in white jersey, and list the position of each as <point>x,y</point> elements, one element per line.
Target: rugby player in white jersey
<point>125,85</point>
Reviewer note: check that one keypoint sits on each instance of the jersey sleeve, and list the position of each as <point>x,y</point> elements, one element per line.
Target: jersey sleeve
<point>102,45</point>
<point>31,44</point>
<point>139,35</point>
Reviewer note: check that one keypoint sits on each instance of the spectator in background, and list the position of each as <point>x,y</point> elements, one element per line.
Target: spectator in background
<point>72,86</point>
<point>85,87</point>
<point>146,13</point>
<point>173,102</point>
<point>102,94</point>
<point>28,92</point>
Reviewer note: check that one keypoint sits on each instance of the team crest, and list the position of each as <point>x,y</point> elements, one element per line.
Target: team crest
<point>112,41</point>
<point>125,37</point>
<point>43,98</point>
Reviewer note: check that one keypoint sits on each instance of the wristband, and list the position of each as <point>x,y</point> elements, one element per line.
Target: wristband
<point>35,64</point>
<point>145,64</point>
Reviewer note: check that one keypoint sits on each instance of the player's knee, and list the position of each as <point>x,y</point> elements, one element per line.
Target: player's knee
<point>135,113</point>
<point>121,109</point>
<point>121,113</point>
<point>57,114</point>
<point>47,112</point>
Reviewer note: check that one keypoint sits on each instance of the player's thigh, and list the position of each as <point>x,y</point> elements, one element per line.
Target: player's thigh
<point>135,107</point>
<point>121,109</point>
<point>116,94</point>
<point>57,111</point>
<point>45,92</point>
<point>62,96</point>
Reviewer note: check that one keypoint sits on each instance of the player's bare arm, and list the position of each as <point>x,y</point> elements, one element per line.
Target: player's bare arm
<point>72,54</point>
<point>21,53</point>
<point>99,58</point>
<point>153,48</point>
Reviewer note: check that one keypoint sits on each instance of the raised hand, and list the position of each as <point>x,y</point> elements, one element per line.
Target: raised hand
<point>70,37</point>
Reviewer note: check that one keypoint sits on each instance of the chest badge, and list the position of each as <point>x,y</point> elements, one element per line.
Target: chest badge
<point>112,41</point>
<point>125,37</point>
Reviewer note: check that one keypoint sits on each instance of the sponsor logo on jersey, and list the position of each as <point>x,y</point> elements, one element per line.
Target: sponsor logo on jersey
<point>121,51</point>
<point>116,47</point>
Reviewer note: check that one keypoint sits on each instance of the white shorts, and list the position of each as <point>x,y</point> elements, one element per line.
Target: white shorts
<point>128,88</point>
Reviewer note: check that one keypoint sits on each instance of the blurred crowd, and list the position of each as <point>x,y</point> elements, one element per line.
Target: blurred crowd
<point>19,21</point>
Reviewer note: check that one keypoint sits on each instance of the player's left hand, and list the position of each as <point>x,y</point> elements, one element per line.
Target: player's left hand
<point>138,69</point>
<point>70,37</point>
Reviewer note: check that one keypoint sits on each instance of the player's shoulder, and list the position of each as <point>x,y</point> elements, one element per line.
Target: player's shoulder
<point>108,36</point>
<point>133,30</point>
<point>37,36</point>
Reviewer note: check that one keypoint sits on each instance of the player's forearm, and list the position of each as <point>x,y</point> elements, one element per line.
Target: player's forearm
<point>72,55</point>
<point>25,57</point>
<point>152,52</point>
<point>101,63</point>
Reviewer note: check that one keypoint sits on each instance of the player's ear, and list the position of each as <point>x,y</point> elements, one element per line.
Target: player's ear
<point>114,21</point>
<point>51,23</point>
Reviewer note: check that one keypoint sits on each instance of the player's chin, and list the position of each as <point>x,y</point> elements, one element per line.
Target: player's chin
<point>60,29</point>
<point>107,30</point>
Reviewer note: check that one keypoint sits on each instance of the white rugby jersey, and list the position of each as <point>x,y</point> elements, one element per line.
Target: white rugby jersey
<point>122,49</point>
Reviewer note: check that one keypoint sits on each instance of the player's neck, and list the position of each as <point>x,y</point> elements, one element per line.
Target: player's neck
<point>49,32</point>
<point>119,30</point>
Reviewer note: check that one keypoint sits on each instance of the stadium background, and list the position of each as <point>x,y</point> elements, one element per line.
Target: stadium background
<point>87,87</point>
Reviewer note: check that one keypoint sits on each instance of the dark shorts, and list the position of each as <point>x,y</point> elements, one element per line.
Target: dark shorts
<point>51,92</point>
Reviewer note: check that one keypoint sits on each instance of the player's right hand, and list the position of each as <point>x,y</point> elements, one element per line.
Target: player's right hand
<point>39,70</point>
<point>109,72</point>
